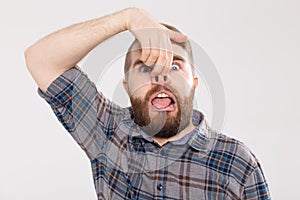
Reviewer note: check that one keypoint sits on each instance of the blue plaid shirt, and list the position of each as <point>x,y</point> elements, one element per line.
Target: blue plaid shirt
<point>127,164</point>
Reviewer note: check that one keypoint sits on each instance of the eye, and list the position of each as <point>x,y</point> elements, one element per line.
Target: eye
<point>145,69</point>
<point>175,67</point>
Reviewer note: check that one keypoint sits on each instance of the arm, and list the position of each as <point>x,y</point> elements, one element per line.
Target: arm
<point>84,112</point>
<point>62,50</point>
<point>256,186</point>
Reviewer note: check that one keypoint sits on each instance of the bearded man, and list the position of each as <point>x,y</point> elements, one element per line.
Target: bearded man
<point>159,148</point>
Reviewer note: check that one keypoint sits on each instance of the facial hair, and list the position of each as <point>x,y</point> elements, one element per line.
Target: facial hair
<point>163,124</point>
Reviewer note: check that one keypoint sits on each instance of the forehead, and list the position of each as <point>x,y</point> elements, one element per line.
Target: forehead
<point>135,52</point>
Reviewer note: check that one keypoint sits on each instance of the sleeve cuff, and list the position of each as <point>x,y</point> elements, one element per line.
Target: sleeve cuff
<point>61,89</point>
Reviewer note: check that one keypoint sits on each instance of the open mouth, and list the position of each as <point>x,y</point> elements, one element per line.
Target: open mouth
<point>163,101</point>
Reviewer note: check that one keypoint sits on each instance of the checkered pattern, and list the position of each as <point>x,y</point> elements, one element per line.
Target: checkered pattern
<point>127,165</point>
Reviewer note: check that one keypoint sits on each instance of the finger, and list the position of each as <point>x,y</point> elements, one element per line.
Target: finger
<point>146,50</point>
<point>166,54</point>
<point>160,63</point>
<point>153,56</point>
<point>168,63</point>
<point>154,44</point>
<point>177,37</point>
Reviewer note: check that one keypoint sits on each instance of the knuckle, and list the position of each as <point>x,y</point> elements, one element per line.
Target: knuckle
<point>155,53</point>
<point>146,50</point>
<point>163,55</point>
<point>145,54</point>
<point>152,58</point>
<point>169,54</point>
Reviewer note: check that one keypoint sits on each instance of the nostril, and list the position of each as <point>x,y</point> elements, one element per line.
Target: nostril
<point>165,78</point>
<point>156,78</point>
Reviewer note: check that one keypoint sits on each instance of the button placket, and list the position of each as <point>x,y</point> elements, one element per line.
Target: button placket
<point>128,181</point>
<point>159,187</point>
<point>130,187</point>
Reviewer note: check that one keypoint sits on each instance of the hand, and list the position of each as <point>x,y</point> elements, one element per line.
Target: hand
<point>155,40</point>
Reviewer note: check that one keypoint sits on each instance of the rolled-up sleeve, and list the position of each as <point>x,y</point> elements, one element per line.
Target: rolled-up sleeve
<point>83,111</point>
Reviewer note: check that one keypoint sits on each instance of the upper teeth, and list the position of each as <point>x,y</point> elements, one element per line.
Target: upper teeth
<point>162,95</point>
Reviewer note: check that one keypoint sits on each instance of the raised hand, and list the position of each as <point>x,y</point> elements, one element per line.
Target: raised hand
<point>154,39</point>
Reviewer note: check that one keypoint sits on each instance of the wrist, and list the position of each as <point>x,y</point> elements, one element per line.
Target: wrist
<point>129,15</point>
<point>123,15</point>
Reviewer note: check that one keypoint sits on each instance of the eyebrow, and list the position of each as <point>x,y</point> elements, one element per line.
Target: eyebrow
<point>178,57</point>
<point>175,57</point>
<point>137,62</point>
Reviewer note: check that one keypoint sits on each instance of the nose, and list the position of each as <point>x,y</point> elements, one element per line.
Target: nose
<point>161,79</point>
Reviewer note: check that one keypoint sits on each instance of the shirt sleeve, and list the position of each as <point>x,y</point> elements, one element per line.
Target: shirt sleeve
<point>256,186</point>
<point>85,113</point>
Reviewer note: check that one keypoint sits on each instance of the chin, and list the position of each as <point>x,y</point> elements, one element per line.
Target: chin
<point>162,113</point>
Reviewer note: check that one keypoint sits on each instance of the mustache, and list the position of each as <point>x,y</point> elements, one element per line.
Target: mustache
<point>161,87</point>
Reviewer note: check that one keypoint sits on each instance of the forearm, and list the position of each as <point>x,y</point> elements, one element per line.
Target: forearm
<point>63,49</point>
<point>56,53</point>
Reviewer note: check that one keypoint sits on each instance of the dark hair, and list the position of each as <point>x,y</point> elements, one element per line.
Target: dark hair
<point>185,45</point>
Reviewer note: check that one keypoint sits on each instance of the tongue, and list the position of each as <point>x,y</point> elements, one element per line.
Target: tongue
<point>160,103</point>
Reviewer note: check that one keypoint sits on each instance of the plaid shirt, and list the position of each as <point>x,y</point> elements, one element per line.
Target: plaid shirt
<point>127,164</point>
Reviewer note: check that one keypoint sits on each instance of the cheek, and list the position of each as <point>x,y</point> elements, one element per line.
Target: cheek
<point>182,83</point>
<point>138,85</point>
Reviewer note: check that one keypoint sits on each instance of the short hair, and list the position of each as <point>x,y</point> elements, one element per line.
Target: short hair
<point>185,45</point>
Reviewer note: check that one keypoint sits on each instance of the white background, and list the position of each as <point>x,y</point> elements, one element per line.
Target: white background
<point>254,44</point>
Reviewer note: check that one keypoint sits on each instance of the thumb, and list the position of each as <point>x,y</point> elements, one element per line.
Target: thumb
<point>177,37</point>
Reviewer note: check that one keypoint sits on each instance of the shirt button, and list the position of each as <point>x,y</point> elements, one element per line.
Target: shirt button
<point>159,187</point>
<point>163,152</point>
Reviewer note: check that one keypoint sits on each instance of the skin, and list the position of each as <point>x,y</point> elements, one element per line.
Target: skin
<point>45,62</point>
<point>139,81</point>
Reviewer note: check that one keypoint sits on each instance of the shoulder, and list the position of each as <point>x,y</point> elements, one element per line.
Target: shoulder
<point>236,147</point>
<point>232,158</point>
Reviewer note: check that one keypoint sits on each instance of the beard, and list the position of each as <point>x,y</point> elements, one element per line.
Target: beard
<point>164,124</point>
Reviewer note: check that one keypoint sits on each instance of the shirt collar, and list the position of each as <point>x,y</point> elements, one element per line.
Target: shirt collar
<point>201,138</point>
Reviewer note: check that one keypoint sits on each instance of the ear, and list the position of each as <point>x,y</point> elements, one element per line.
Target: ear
<point>125,86</point>
<point>195,82</point>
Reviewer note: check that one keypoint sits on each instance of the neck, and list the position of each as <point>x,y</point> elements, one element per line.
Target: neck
<point>162,141</point>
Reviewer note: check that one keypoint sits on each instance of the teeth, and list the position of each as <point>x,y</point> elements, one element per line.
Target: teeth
<point>162,95</point>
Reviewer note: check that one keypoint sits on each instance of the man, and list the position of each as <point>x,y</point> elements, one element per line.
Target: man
<point>160,148</point>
